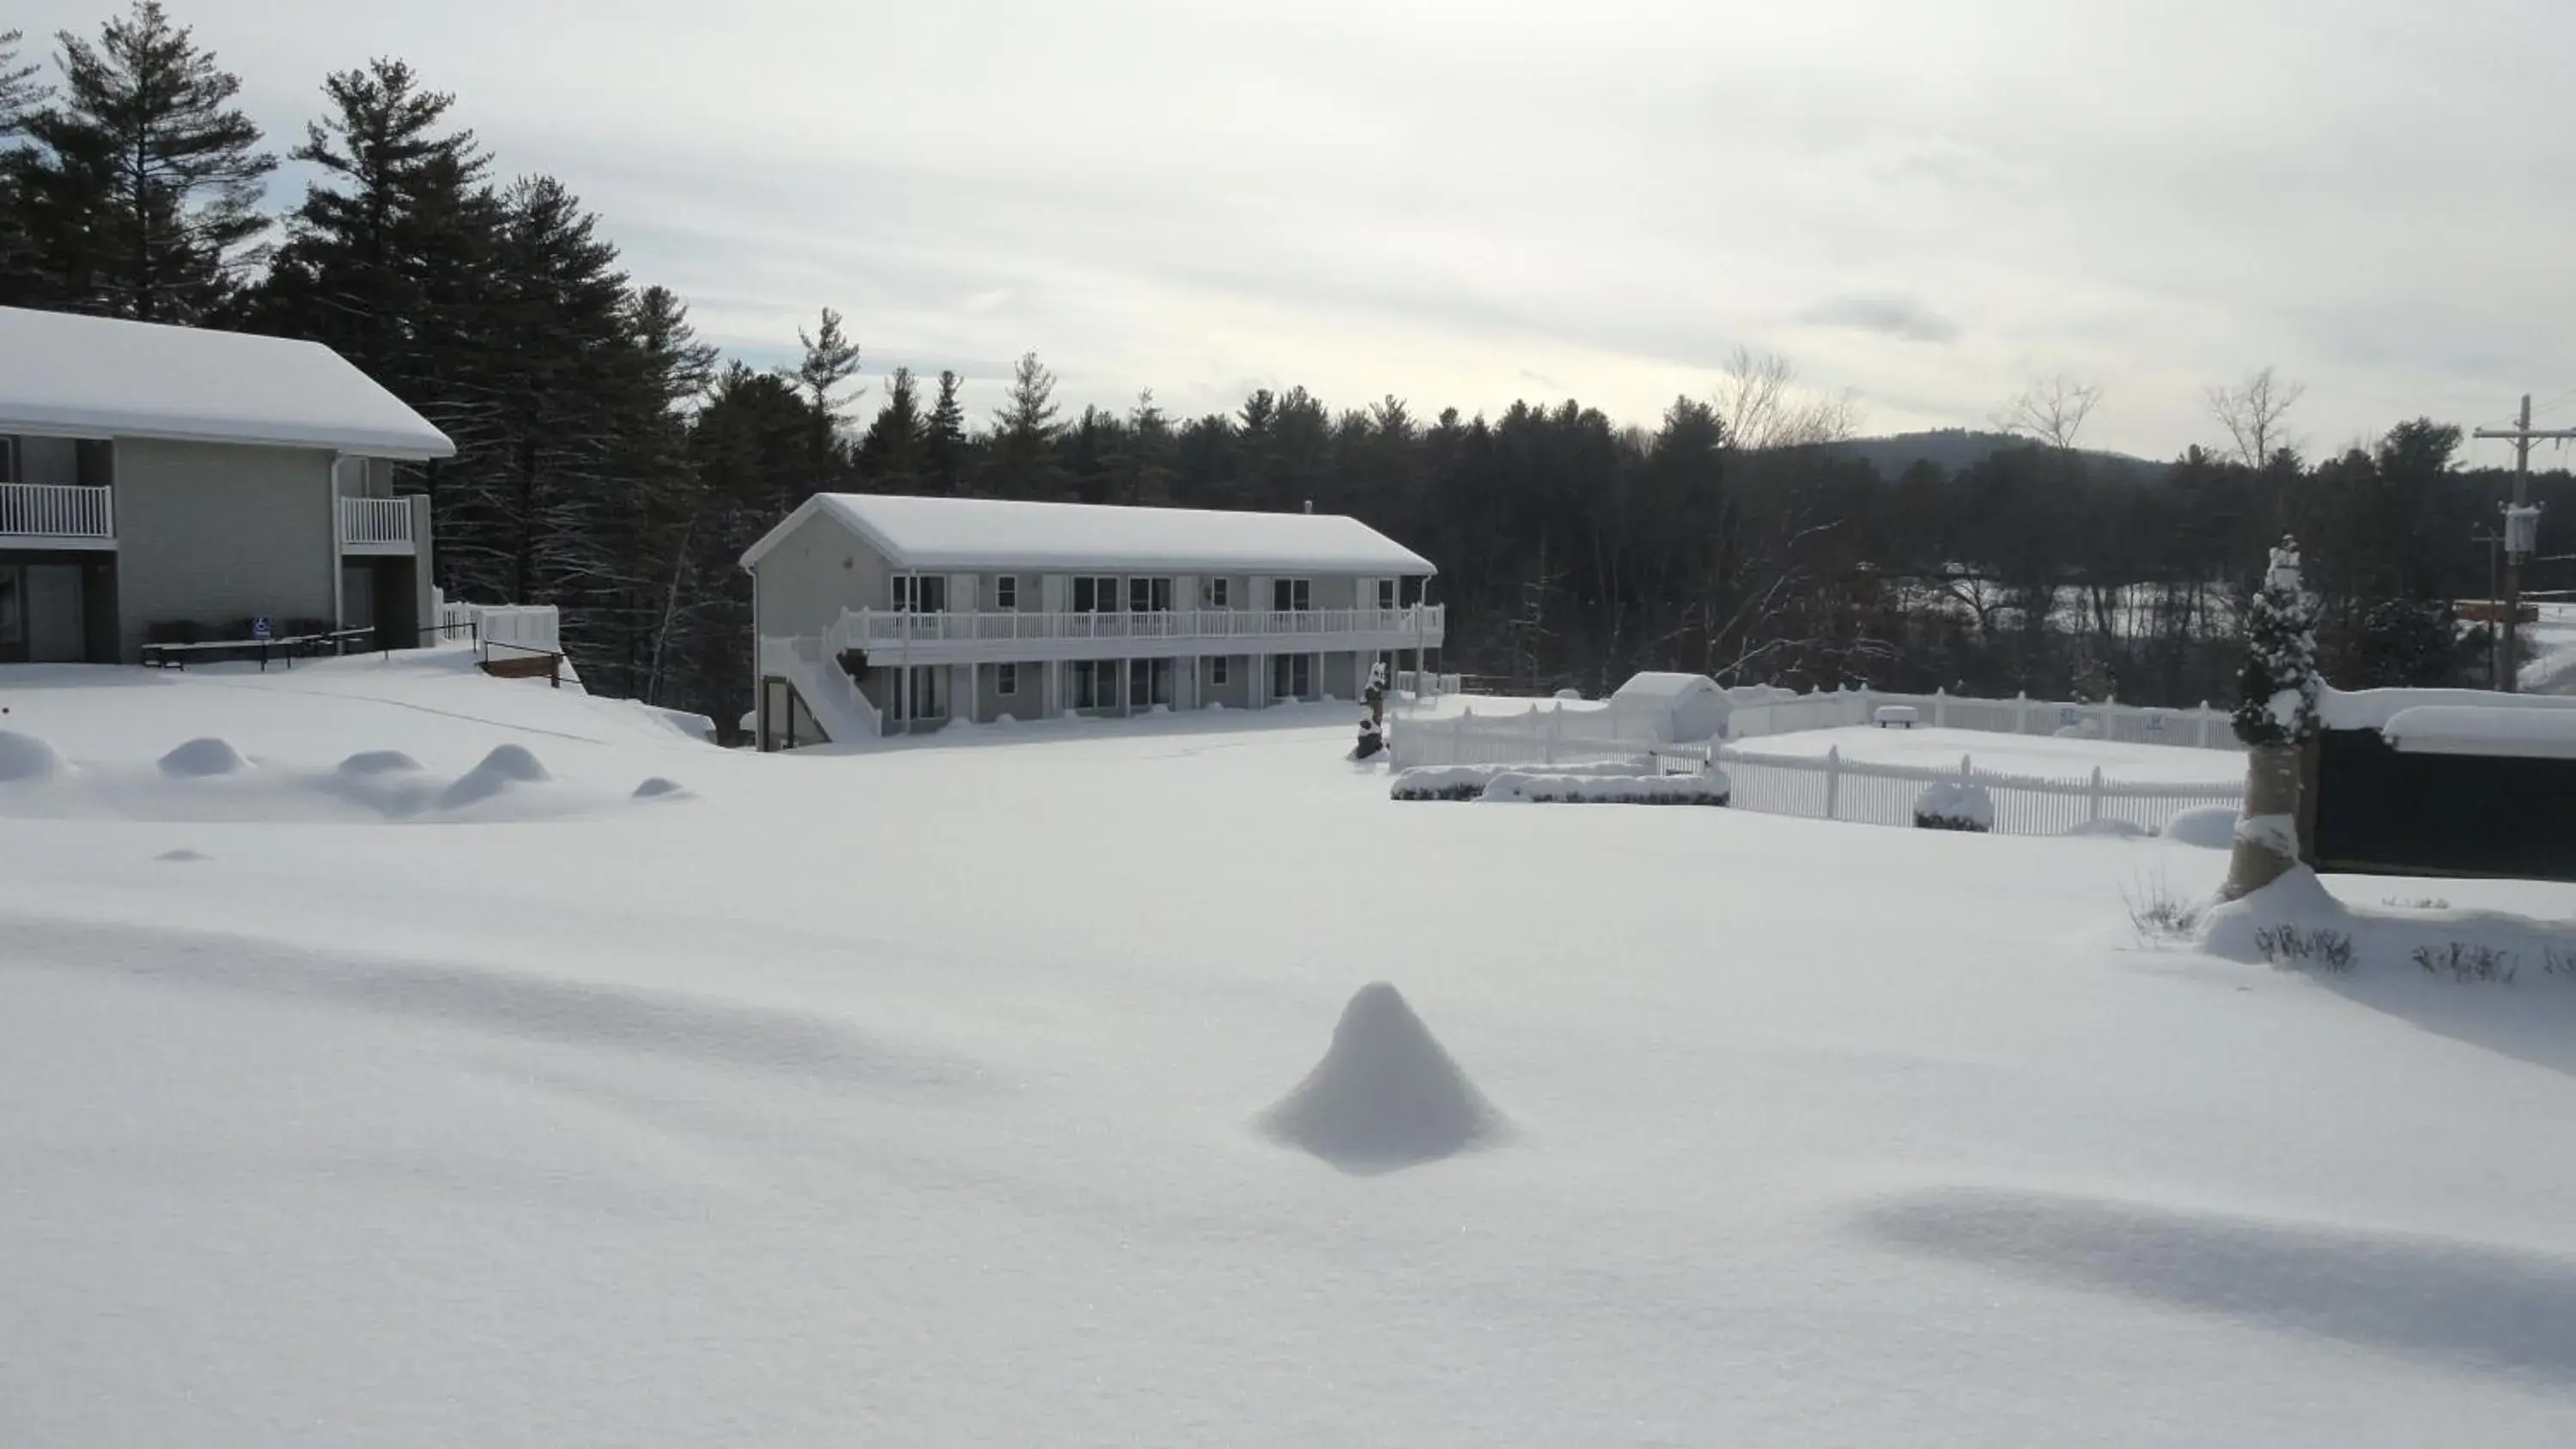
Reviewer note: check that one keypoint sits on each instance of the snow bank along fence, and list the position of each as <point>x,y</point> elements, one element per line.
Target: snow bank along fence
<point>1819,788</point>
<point>2201,728</point>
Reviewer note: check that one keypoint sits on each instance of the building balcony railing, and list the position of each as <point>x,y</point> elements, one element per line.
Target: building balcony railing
<point>1264,630</point>
<point>60,514</point>
<point>378,525</point>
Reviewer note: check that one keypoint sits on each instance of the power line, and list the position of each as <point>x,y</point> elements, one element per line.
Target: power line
<point>2521,527</point>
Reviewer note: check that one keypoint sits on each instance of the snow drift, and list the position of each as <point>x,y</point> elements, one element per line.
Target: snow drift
<point>203,758</point>
<point>1385,1096</point>
<point>27,757</point>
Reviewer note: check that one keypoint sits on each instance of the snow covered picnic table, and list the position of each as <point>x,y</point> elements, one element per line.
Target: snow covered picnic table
<point>176,656</point>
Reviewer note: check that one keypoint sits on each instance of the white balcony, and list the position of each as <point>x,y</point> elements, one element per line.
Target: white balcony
<point>56,515</point>
<point>376,526</point>
<point>959,638</point>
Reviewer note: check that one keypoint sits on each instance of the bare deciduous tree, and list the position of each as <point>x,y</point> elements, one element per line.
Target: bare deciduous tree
<point>2252,413</point>
<point>1759,401</point>
<point>2051,410</point>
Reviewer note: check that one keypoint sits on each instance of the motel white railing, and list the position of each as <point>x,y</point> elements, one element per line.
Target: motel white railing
<point>872,629</point>
<point>375,521</point>
<point>57,510</point>
<point>2200,728</point>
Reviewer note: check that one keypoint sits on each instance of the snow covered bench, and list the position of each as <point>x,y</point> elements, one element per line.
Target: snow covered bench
<point>1898,717</point>
<point>176,655</point>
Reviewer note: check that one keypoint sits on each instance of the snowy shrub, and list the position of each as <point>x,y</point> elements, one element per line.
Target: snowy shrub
<point>2556,962</point>
<point>2319,948</point>
<point>1955,805</point>
<point>2419,903</point>
<point>2157,914</point>
<point>1712,788</point>
<point>2277,687</point>
<point>1468,782</point>
<point>2462,961</point>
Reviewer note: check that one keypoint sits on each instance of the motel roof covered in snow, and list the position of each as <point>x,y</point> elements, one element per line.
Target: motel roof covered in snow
<point>63,375</point>
<point>933,534</point>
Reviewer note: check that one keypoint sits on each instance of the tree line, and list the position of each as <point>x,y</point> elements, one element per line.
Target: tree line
<point>611,463</point>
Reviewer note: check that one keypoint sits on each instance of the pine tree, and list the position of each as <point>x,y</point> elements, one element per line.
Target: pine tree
<point>947,443</point>
<point>1144,461</point>
<point>894,452</point>
<point>2276,714</point>
<point>354,272</point>
<point>1023,462</point>
<point>19,93</point>
<point>147,130</point>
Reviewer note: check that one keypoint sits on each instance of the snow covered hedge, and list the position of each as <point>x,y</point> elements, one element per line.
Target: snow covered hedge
<point>1468,782</point>
<point>1711,788</point>
<point>1955,805</point>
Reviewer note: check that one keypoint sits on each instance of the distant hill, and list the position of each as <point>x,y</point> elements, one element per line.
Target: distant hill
<point>1951,449</point>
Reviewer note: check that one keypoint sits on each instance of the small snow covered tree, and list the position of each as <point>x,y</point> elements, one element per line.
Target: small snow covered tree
<point>2276,714</point>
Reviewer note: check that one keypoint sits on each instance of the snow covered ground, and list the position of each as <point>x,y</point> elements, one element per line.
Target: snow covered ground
<point>1020,1088</point>
<point>2040,755</point>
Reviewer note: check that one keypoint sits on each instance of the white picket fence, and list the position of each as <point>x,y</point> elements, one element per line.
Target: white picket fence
<point>2201,728</point>
<point>1829,787</point>
<point>520,629</point>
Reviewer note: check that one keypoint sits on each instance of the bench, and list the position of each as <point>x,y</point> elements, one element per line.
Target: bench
<point>532,663</point>
<point>1897,717</point>
<point>178,656</point>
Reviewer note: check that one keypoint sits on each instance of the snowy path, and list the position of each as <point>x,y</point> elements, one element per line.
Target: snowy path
<point>910,1098</point>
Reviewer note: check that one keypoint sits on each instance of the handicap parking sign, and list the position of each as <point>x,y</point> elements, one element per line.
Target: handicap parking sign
<point>2070,716</point>
<point>2155,724</point>
<point>259,627</point>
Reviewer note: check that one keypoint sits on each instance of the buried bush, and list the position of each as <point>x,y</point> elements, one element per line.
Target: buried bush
<point>1711,788</point>
<point>1955,805</point>
<point>2320,949</point>
<point>2157,914</point>
<point>2462,961</point>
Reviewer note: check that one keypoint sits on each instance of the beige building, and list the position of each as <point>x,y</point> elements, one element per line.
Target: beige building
<point>169,482</point>
<point>880,615</point>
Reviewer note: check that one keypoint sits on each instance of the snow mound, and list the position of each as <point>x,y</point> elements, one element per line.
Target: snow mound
<point>202,758</point>
<point>2111,829</point>
<point>27,757</point>
<point>506,766</point>
<point>378,762</point>
<point>657,787</point>
<point>1385,1096</point>
<point>2211,827</point>
<point>183,856</point>
<point>2297,901</point>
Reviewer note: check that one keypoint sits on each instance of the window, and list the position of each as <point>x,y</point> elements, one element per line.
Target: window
<point>8,459</point>
<point>1149,683</point>
<point>1006,594</point>
<point>924,696</point>
<point>920,594</point>
<point>1386,595</point>
<point>1218,594</point>
<point>1092,684</point>
<point>1291,675</point>
<point>1219,670</point>
<point>1290,596</point>
<point>1149,596</point>
<point>13,605</point>
<point>1095,595</point>
<point>1006,679</point>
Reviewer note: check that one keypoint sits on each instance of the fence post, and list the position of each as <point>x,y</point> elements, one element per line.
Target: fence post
<point>2021,711</point>
<point>1940,707</point>
<point>2204,724</point>
<point>1833,779</point>
<point>2096,796</point>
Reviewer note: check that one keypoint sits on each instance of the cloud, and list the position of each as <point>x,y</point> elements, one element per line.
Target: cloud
<point>1903,318</point>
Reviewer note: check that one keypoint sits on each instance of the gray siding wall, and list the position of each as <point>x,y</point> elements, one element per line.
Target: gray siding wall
<point>815,573</point>
<point>1028,704</point>
<point>1236,692</point>
<point>220,533</point>
<point>1342,676</point>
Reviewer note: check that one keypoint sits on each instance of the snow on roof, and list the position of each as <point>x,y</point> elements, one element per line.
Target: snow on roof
<point>2370,709</point>
<point>1656,685</point>
<point>2438,729</point>
<point>980,533</point>
<point>101,377</point>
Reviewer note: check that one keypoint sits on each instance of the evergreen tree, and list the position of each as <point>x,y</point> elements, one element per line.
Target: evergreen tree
<point>894,453</point>
<point>19,95</point>
<point>946,446</point>
<point>19,92</point>
<point>147,134</point>
<point>1021,459</point>
<point>354,272</point>
<point>831,359</point>
<point>1141,464</point>
<point>2276,713</point>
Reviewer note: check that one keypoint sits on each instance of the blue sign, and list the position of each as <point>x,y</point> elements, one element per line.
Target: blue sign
<point>2155,724</point>
<point>259,627</point>
<point>2070,716</point>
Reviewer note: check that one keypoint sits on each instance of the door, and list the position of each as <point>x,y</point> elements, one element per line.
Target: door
<point>57,629</point>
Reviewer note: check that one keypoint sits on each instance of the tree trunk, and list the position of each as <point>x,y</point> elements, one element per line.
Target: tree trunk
<point>2267,838</point>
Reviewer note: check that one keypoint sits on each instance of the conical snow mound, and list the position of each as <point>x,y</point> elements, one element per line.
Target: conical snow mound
<point>27,757</point>
<point>1385,1095</point>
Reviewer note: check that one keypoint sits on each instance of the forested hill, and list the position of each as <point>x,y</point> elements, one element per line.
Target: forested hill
<point>1953,450</point>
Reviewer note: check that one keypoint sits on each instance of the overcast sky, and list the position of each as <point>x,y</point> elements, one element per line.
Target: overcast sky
<point>1923,201</point>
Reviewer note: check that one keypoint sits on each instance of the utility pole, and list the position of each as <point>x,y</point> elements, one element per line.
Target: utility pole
<point>2521,528</point>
